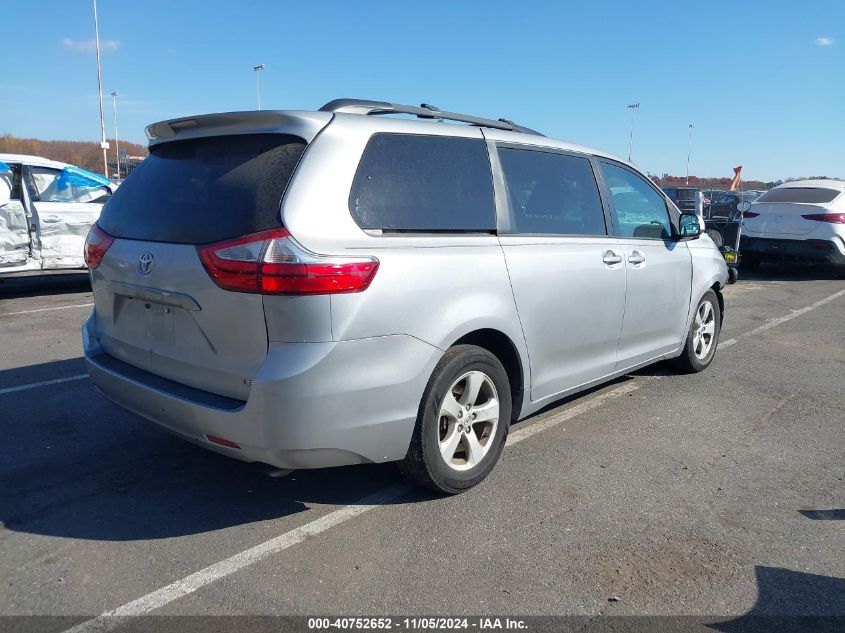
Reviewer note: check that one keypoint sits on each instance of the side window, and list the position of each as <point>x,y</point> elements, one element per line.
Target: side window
<point>640,210</point>
<point>408,182</point>
<point>42,183</point>
<point>551,193</point>
<point>11,176</point>
<point>63,185</point>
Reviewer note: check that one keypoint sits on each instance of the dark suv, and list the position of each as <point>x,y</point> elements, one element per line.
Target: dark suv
<point>687,199</point>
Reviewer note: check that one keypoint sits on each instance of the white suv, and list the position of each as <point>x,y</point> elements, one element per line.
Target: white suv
<point>800,221</point>
<point>46,210</point>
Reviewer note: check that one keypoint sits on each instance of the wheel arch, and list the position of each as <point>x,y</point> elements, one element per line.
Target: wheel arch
<point>718,290</point>
<point>502,347</point>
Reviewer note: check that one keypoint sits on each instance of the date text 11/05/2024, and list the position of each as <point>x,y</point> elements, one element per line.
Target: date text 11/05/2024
<point>416,623</point>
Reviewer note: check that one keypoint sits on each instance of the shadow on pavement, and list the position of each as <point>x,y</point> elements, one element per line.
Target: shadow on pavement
<point>44,285</point>
<point>789,272</point>
<point>792,601</point>
<point>825,515</point>
<point>75,466</point>
<point>56,369</point>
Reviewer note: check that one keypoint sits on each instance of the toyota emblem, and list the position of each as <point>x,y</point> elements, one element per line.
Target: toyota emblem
<point>145,263</point>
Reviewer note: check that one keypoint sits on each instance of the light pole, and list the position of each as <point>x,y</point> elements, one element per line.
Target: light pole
<point>258,68</point>
<point>116,142</point>
<point>632,107</point>
<point>103,144</point>
<point>689,150</point>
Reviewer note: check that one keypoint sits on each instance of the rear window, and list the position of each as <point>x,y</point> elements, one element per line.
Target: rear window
<point>205,190</point>
<point>808,195</point>
<point>408,182</point>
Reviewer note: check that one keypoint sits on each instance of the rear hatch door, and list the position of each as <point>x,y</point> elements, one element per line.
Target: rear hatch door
<point>781,210</point>
<point>783,218</point>
<point>156,306</point>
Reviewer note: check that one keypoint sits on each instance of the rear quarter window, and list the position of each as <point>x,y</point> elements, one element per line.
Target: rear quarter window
<point>806,195</point>
<point>409,182</point>
<point>205,190</point>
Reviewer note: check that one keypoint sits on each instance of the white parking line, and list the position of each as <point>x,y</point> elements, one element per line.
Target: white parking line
<point>189,584</point>
<point>571,412</point>
<point>768,325</point>
<point>43,383</point>
<point>161,597</point>
<point>76,305</point>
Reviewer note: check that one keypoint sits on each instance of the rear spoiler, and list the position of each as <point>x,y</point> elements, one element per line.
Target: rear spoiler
<point>303,124</point>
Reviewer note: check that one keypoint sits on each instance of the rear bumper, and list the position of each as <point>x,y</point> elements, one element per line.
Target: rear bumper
<point>311,405</point>
<point>809,250</point>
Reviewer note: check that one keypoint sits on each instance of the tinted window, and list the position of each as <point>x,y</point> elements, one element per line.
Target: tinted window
<point>204,190</point>
<point>811,195</point>
<point>411,182</point>
<point>640,210</point>
<point>551,193</point>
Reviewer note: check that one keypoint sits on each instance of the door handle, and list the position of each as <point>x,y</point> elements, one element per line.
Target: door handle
<point>611,257</point>
<point>636,258</point>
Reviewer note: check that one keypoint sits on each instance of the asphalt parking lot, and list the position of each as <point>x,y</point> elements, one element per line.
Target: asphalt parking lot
<point>718,494</point>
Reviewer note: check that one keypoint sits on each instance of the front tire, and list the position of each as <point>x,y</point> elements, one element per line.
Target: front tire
<point>462,421</point>
<point>703,336</point>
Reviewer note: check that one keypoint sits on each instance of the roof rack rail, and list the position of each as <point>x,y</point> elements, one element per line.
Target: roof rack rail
<point>423,111</point>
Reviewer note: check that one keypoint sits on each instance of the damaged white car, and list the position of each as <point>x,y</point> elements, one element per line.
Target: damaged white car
<point>46,210</point>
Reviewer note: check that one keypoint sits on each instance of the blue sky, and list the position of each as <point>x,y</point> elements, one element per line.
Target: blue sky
<point>763,82</point>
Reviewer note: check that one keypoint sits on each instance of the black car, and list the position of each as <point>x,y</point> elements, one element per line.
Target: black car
<point>723,206</point>
<point>688,199</point>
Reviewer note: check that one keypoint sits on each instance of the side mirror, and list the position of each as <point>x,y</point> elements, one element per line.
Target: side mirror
<point>744,206</point>
<point>689,226</point>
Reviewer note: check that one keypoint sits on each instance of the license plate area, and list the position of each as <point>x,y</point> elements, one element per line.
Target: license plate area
<point>144,324</point>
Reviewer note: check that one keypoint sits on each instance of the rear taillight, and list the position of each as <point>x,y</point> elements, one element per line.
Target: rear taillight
<point>96,245</point>
<point>271,263</point>
<point>221,441</point>
<point>836,218</point>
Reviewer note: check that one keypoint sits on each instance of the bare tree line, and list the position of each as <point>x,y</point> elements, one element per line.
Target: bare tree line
<point>85,154</point>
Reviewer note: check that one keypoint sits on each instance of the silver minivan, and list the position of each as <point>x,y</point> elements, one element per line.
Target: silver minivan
<point>311,289</point>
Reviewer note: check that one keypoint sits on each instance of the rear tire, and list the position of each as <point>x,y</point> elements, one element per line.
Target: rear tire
<point>733,275</point>
<point>703,336</point>
<point>458,438</point>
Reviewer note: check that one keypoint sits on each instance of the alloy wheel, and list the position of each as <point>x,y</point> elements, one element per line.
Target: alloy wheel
<point>469,415</point>
<point>704,330</point>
